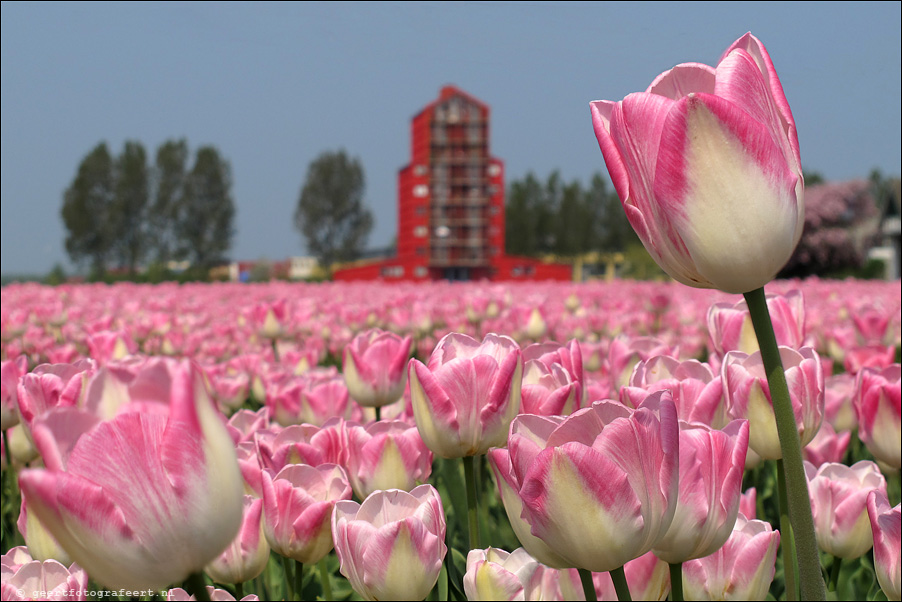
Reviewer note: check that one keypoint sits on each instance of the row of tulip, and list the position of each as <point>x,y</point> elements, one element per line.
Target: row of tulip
<point>120,405</point>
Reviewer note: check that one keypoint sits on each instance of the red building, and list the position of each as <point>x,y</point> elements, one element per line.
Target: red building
<point>451,204</point>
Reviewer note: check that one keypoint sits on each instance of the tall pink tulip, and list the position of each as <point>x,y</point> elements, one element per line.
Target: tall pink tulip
<point>748,396</point>
<point>386,455</point>
<point>706,163</point>
<point>247,555</point>
<point>374,367</point>
<point>607,473</point>
<point>878,404</point>
<point>742,569</point>
<point>391,546</point>
<point>886,526</point>
<point>839,496</point>
<point>147,498</point>
<point>465,397</point>
<point>297,509</point>
<point>711,466</point>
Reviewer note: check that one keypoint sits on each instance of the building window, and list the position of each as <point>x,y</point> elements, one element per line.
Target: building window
<point>420,170</point>
<point>420,210</point>
<point>494,169</point>
<point>420,272</point>
<point>420,231</point>
<point>420,190</point>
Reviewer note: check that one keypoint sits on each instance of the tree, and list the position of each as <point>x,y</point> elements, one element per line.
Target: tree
<point>330,213</point>
<point>521,217</point>
<point>170,174</point>
<point>128,217</point>
<point>206,212</point>
<point>87,209</point>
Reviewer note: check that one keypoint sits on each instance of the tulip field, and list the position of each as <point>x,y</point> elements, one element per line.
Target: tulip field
<point>451,441</point>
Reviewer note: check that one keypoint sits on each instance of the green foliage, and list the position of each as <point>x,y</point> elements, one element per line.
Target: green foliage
<point>119,212</point>
<point>128,216</point>
<point>87,210</point>
<point>331,214</point>
<point>170,174</point>
<point>56,276</point>
<point>204,227</point>
<point>563,218</point>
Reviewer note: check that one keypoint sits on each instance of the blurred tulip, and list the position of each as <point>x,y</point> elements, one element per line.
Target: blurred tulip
<point>711,466</point>
<point>839,410</point>
<point>619,466</point>
<point>548,391</point>
<point>391,546</point>
<point>748,396</point>
<point>465,397</point>
<point>839,504</point>
<point>494,574</point>
<point>297,509</point>
<point>730,325</point>
<point>374,367</point>
<point>10,373</point>
<point>177,594</point>
<point>27,579</point>
<point>748,503</point>
<point>386,455</point>
<point>41,544</point>
<point>50,386</point>
<point>878,405</point>
<point>697,392</point>
<point>827,446</point>
<point>886,526</point>
<point>247,555</point>
<point>742,569</point>
<point>706,163</point>
<point>147,498</point>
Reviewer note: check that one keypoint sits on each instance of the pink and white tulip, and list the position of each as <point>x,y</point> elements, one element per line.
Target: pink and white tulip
<point>494,574</point>
<point>606,473</point>
<point>386,455</point>
<point>711,466</point>
<point>839,496</point>
<point>697,392</point>
<point>466,396</point>
<point>27,579</point>
<point>247,555</point>
<point>748,396</point>
<point>886,525</point>
<point>391,546</point>
<point>742,569</point>
<point>878,405</point>
<point>297,509</point>
<point>374,367</point>
<point>706,164</point>
<point>147,498</point>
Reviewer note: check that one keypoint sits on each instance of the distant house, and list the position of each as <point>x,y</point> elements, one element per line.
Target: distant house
<point>890,230</point>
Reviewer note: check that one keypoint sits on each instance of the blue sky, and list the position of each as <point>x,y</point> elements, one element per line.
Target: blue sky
<point>274,85</point>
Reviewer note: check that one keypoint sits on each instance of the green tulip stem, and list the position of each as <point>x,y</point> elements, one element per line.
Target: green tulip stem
<point>618,576</point>
<point>810,576</point>
<point>325,579</point>
<point>289,578</point>
<point>472,515</point>
<point>298,579</point>
<point>787,543</point>
<point>676,581</point>
<point>239,591</point>
<point>275,349</point>
<point>585,577</point>
<point>834,573</point>
<point>378,413</point>
<point>197,587</point>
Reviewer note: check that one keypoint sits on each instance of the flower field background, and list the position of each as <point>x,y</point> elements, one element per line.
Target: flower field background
<point>103,385</point>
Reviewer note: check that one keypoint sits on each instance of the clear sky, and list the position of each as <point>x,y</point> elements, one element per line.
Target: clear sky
<point>274,85</point>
